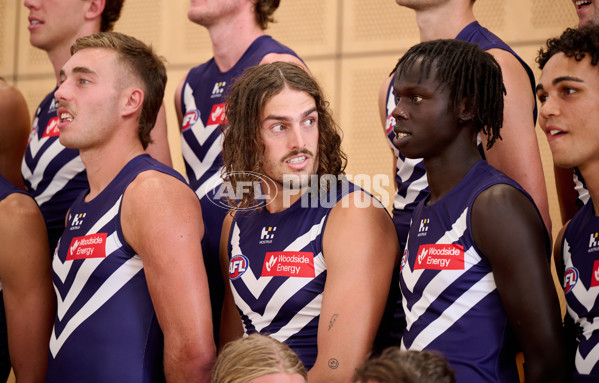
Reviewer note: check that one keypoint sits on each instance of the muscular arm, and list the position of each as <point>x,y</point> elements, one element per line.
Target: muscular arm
<point>29,298</point>
<point>15,126</point>
<point>162,220</point>
<point>517,154</point>
<point>230,323</point>
<point>360,248</point>
<point>509,232</point>
<point>159,148</point>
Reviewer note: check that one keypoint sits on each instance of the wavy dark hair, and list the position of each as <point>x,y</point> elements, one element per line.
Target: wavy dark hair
<point>574,43</point>
<point>111,14</point>
<point>469,73</point>
<point>145,66</point>
<point>263,9</point>
<point>243,146</point>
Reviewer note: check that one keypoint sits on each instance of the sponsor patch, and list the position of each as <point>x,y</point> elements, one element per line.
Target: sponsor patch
<point>570,279</point>
<point>289,264</point>
<point>238,265</point>
<point>190,118</point>
<point>217,114</point>
<point>88,246</point>
<point>595,276</point>
<point>52,128</point>
<point>440,257</point>
<point>404,259</point>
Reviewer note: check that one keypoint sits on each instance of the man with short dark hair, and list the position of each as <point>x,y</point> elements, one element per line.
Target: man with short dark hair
<point>133,301</point>
<point>54,175</point>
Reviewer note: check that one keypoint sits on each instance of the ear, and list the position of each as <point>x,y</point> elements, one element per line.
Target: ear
<point>464,112</point>
<point>95,9</point>
<point>133,101</point>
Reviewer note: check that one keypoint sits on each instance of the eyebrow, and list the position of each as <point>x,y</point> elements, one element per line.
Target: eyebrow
<point>78,69</point>
<point>285,118</point>
<point>557,80</point>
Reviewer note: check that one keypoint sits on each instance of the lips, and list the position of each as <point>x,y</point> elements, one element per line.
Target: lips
<point>34,23</point>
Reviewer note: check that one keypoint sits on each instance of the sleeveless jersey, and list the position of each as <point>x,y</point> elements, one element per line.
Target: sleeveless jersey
<point>277,269</point>
<point>203,107</point>
<point>450,298</point>
<point>410,177</point>
<point>580,252</point>
<point>6,189</point>
<point>53,174</point>
<point>105,329</point>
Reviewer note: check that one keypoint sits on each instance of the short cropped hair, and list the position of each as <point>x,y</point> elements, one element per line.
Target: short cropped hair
<point>111,14</point>
<point>396,366</point>
<point>145,66</point>
<point>264,9</point>
<point>256,355</point>
<point>243,146</point>
<point>574,43</point>
<point>468,73</point>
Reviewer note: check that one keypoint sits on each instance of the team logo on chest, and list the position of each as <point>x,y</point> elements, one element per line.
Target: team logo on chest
<point>267,234</point>
<point>238,265</point>
<point>440,257</point>
<point>76,220</point>
<point>218,89</point>
<point>570,279</point>
<point>404,259</point>
<point>52,128</point>
<point>423,228</point>
<point>593,242</point>
<point>289,264</point>
<point>190,119</point>
<point>88,246</point>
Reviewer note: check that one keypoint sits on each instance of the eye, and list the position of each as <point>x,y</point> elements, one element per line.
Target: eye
<point>83,81</point>
<point>416,99</point>
<point>278,128</point>
<point>569,91</point>
<point>542,97</point>
<point>310,121</point>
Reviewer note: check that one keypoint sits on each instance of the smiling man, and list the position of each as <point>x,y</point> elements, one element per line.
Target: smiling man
<point>587,11</point>
<point>133,303</point>
<point>310,273</point>
<point>568,91</point>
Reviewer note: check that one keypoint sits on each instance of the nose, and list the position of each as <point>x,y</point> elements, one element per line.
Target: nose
<point>549,108</point>
<point>296,138</point>
<point>62,93</point>
<point>31,4</point>
<point>399,113</point>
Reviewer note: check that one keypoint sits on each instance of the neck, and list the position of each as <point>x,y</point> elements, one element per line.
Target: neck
<point>445,172</point>
<point>444,21</point>
<point>104,163</point>
<point>591,178</point>
<point>283,199</point>
<point>232,38</point>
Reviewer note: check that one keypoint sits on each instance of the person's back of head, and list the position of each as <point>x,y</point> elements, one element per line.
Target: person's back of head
<point>396,366</point>
<point>252,357</point>
<point>111,14</point>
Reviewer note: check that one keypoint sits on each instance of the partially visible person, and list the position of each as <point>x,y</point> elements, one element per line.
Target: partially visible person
<point>308,255</point>
<point>54,175</point>
<point>397,366</point>
<point>587,11</point>
<point>133,302</point>
<point>27,302</point>
<point>517,154</point>
<point>568,91</point>
<point>236,30</point>
<point>14,130</point>
<point>475,275</point>
<point>258,359</point>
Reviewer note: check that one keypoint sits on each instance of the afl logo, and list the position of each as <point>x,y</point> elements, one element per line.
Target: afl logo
<point>404,259</point>
<point>237,266</point>
<point>570,279</point>
<point>190,119</point>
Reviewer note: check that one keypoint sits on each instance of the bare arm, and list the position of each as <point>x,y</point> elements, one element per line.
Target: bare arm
<point>273,57</point>
<point>566,192</point>
<point>29,298</point>
<point>14,131</point>
<point>231,327</point>
<point>159,148</point>
<point>162,221</point>
<point>178,100</point>
<point>360,248</point>
<point>509,232</point>
<point>518,154</point>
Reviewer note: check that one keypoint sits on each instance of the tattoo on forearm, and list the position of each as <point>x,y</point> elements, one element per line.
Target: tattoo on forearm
<point>332,322</point>
<point>333,363</point>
